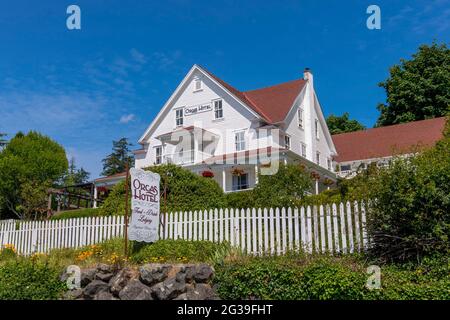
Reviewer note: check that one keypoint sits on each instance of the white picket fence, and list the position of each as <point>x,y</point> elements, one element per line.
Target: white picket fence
<point>336,228</point>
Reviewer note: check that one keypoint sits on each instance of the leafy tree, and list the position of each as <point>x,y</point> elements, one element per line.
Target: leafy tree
<point>117,160</point>
<point>417,89</point>
<point>284,188</point>
<point>31,159</point>
<point>75,175</point>
<point>342,124</point>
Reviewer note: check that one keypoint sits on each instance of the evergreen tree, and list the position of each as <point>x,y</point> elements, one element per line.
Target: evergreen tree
<point>74,175</point>
<point>117,160</point>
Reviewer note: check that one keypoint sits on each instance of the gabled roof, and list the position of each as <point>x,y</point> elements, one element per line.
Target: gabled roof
<point>271,103</point>
<point>387,141</point>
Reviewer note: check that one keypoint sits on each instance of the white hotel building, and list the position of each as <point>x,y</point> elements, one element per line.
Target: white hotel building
<point>213,129</point>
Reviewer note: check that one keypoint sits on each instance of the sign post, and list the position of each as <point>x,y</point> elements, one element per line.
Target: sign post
<point>127,182</point>
<point>145,206</point>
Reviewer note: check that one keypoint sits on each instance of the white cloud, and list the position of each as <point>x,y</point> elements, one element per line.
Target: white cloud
<point>126,118</point>
<point>138,56</point>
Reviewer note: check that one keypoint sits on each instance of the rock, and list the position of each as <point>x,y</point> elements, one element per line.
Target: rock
<point>201,291</point>
<point>105,277</point>
<point>94,288</point>
<point>153,273</point>
<point>104,295</point>
<point>181,277</point>
<point>189,274</point>
<point>73,294</point>
<point>203,273</point>
<point>120,280</point>
<point>87,275</point>
<point>168,290</point>
<point>182,296</point>
<point>104,268</point>
<point>135,290</point>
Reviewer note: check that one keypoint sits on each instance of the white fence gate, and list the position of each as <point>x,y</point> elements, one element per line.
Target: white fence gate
<point>331,228</point>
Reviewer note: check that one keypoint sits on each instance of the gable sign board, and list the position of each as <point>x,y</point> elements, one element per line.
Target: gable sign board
<point>188,111</point>
<point>145,206</point>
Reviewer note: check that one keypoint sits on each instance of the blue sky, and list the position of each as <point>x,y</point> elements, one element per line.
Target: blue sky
<point>86,87</point>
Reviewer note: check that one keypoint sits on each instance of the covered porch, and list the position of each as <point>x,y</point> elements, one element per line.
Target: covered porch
<point>242,172</point>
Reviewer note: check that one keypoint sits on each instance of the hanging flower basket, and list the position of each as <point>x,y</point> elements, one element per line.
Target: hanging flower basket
<point>102,189</point>
<point>315,176</point>
<point>207,174</point>
<point>237,172</point>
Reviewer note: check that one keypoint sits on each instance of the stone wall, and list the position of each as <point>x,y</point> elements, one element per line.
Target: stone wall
<point>148,282</point>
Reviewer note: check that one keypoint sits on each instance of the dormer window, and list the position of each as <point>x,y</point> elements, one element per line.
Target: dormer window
<point>197,84</point>
<point>179,117</point>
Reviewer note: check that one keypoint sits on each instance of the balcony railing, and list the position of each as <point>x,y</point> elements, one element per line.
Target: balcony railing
<point>186,157</point>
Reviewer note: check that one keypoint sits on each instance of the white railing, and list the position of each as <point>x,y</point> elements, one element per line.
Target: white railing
<point>186,157</point>
<point>337,228</point>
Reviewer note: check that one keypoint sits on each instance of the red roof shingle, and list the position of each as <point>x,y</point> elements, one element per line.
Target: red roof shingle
<point>272,103</point>
<point>387,141</point>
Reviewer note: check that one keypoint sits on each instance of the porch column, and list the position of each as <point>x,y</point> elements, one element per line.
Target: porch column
<point>224,180</point>
<point>95,197</point>
<point>195,150</point>
<point>256,174</point>
<point>317,186</point>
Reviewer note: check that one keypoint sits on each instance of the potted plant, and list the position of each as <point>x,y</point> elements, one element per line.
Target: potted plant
<point>237,172</point>
<point>208,174</point>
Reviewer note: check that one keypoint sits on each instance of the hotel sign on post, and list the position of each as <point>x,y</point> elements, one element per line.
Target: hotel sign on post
<point>144,225</point>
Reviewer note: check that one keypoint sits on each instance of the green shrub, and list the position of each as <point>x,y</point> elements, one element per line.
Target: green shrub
<point>80,213</point>
<point>410,218</point>
<point>285,188</point>
<point>115,202</point>
<point>259,278</point>
<point>241,199</point>
<point>185,191</point>
<point>24,279</point>
<point>328,280</point>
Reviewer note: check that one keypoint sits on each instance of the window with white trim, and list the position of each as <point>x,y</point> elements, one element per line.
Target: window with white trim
<point>318,157</point>
<point>197,84</point>
<point>329,164</point>
<point>158,155</point>
<point>345,167</point>
<point>316,128</point>
<point>303,150</point>
<point>218,110</point>
<point>179,117</point>
<point>239,140</point>
<point>240,182</point>
<point>287,142</point>
<point>300,117</point>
